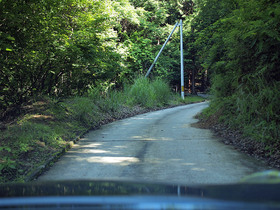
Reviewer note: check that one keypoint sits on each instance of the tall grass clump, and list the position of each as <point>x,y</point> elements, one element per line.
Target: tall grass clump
<point>148,93</point>
<point>110,100</point>
<point>83,110</point>
<point>113,101</point>
<point>162,91</point>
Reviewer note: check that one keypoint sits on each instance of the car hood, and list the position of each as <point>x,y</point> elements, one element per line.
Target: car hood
<point>128,194</point>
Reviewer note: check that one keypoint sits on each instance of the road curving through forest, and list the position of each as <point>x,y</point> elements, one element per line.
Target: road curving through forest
<point>159,146</point>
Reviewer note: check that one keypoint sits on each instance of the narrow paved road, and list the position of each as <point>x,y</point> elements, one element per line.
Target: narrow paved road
<point>157,146</point>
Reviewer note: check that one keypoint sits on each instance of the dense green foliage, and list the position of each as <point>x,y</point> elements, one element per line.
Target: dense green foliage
<point>57,47</point>
<point>63,48</point>
<point>238,42</point>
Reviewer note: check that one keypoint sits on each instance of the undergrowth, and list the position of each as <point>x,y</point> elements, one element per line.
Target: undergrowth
<point>149,94</point>
<point>254,111</point>
<point>46,126</point>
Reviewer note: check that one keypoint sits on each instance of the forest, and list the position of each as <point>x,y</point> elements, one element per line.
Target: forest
<point>64,48</point>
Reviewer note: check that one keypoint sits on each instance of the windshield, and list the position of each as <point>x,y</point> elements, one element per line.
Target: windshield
<point>183,92</point>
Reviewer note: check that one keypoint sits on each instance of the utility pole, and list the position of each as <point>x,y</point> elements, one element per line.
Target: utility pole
<point>182,60</point>
<point>182,55</point>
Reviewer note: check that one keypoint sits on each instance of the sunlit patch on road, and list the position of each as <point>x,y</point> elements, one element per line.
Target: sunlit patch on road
<point>188,164</point>
<point>95,151</point>
<point>123,161</point>
<point>198,169</point>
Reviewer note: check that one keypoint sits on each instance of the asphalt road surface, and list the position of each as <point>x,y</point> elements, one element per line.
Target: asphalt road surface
<point>158,146</point>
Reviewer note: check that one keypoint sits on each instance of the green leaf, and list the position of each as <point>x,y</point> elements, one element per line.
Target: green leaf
<point>11,38</point>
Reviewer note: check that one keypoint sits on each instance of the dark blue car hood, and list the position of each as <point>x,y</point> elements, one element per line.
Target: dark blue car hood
<point>96,194</point>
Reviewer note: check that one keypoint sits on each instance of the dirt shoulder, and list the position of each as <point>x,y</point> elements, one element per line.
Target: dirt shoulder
<point>252,147</point>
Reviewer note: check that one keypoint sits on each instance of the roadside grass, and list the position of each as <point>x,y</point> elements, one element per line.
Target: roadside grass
<point>149,94</point>
<point>192,99</point>
<point>48,126</point>
<point>257,137</point>
<point>252,118</point>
